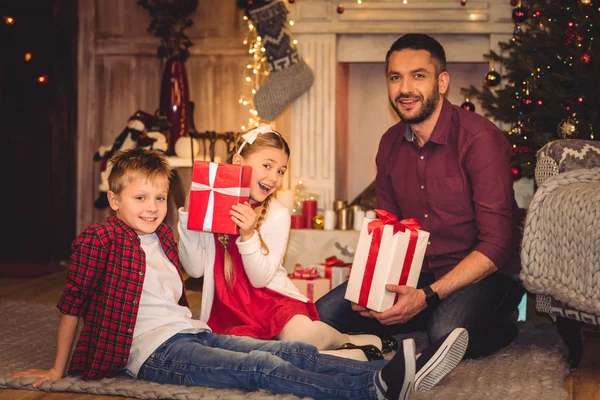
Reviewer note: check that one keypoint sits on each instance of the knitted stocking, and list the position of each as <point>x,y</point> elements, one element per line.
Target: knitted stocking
<point>289,76</point>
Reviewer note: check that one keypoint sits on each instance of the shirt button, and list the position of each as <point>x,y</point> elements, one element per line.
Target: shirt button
<point>135,302</point>
<point>129,330</point>
<point>141,273</point>
<point>422,187</point>
<point>422,157</point>
<point>426,215</point>
<point>428,243</point>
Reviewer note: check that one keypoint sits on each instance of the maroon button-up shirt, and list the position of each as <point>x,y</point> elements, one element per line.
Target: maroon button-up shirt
<point>458,185</point>
<point>104,286</point>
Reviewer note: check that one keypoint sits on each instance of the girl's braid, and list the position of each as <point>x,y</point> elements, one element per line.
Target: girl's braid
<point>227,263</point>
<point>261,217</point>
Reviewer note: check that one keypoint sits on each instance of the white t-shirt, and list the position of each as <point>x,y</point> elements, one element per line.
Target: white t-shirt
<point>159,316</point>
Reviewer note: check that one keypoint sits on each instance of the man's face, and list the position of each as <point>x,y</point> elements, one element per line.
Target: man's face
<point>414,88</point>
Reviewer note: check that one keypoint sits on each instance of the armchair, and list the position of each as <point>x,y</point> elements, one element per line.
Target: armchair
<point>561,241</point>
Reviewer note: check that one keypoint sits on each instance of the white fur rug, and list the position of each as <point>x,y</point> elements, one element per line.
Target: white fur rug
<point>532,368</point>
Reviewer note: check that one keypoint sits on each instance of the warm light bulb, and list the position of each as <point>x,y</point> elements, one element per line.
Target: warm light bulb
<point>295,41</point>
<point>291,23</point>
<point>9,20</point>
<point>42,79</point>
<point>27,56</point>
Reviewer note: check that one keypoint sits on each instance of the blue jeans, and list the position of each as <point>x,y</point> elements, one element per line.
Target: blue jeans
<point>222,361</point>
<point>483,308</point>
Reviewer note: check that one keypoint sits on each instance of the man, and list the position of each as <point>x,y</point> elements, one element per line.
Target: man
<point>450,169</point>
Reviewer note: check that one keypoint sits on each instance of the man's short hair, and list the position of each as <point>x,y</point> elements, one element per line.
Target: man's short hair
<point>419,41</point>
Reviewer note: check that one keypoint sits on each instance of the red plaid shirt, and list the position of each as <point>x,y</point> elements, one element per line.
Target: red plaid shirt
<point>104,286</point>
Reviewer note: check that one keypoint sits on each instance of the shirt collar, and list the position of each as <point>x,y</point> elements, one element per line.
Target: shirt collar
<point>441,129</point>
<point>131,233</point>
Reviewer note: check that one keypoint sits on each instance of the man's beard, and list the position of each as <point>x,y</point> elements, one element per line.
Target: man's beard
<point>427,109</point>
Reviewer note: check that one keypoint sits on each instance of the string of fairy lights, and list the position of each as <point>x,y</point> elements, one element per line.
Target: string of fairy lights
<point>257,69</point>
<point>27,57</point>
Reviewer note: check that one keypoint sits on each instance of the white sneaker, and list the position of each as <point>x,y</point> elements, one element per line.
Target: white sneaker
<point>436,361</point>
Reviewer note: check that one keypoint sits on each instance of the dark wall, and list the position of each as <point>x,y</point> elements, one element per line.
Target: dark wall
<point>39,122</point>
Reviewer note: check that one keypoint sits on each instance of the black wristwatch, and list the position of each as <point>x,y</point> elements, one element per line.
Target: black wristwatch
<point>431,297</point>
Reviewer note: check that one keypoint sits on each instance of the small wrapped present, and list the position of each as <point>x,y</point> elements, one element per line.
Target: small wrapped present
<point>334,269</point>
<point>309,282</point>
<point>215,188</point>
<point>388,252</point>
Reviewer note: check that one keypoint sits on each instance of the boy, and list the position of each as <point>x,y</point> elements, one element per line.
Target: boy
<point>126,283</point>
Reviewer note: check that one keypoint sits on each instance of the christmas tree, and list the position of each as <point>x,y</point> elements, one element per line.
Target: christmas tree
<point>550,82</point>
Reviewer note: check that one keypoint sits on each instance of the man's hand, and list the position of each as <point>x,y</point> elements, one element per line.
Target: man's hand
<point>365,312</point>
<point>245,218</point>
<point>410,302</point>
<point>43,375</point>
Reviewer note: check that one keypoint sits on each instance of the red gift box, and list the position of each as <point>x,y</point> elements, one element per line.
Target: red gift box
<point>215,189</point>
<point>309,282</point>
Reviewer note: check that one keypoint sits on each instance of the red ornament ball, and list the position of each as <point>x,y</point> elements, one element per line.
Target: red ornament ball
<point>463,2</point>
<point>520,14</point>
<point>514,2</point>
<point>340,10</point>
<point>585,58</point>
<point>467,105</point>
<point>516,173</point>
<point>291,1</point>
<point>527,103</point>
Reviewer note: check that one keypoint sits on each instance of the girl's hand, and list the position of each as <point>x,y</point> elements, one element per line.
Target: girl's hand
<point>245,218</point>
<point>186,205</point>
<point>43,375</point>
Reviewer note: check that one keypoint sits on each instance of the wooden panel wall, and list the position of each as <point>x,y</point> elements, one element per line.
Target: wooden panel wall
<point>119,74</point>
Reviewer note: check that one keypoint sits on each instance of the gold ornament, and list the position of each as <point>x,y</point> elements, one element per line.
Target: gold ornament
<point>318,221</point>
<point>567,127</point>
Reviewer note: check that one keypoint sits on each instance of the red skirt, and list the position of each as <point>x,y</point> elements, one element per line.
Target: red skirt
<point>244,310</point>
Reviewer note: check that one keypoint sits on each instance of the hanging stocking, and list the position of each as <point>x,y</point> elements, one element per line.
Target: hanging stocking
<point>289,76</point>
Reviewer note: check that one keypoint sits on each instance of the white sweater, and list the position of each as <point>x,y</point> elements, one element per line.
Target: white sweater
<point>197,254</point>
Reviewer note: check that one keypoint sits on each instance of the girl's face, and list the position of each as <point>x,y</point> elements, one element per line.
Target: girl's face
<point>142,204</point>
<point>268,167</point>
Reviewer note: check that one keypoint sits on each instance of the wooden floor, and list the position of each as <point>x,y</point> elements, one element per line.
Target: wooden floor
<point>581,384</point>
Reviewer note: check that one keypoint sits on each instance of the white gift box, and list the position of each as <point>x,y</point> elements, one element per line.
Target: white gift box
<point>336,274</point>
<point>390,262</point>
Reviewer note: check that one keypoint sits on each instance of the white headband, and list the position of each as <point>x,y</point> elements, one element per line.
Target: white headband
<point>251,136</point>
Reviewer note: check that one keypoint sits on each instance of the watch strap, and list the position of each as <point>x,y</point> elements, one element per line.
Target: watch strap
<point>431,297</point>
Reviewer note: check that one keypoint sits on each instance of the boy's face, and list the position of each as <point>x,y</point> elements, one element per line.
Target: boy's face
<point>268,167</point>
<point>142,204</point>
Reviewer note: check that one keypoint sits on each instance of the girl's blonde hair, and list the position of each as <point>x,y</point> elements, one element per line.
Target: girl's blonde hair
<point>271,139</point>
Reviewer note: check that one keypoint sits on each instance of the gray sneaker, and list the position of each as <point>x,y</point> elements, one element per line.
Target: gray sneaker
<point>436,361</point>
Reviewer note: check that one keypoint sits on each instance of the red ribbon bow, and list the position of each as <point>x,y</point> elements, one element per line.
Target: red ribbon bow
<point>304,273</point>
<point>376,227</point>
<point>333,261</point>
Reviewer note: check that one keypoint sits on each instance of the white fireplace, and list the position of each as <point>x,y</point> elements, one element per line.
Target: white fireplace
<point>337,124</point>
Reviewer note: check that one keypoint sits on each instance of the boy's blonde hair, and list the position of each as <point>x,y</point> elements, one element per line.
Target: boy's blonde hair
<point>130,164</point>
<point>271,139</point>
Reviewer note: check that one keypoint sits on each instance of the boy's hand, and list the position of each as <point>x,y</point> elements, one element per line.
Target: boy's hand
<point>43,375</point>
<point>245,218</point>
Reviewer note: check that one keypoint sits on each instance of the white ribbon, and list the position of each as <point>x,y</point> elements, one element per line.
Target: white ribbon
<point>231,191</point>
<point>251,136</point>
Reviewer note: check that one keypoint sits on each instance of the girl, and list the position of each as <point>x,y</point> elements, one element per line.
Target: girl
<point>246,290</point>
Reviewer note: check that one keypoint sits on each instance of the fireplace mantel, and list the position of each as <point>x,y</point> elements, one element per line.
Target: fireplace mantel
<point>363,33</point>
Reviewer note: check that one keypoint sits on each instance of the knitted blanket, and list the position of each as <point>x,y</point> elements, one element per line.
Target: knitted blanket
<point>561,241</point>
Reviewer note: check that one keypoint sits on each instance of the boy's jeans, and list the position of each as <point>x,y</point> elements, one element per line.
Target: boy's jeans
<point>222,361</point>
